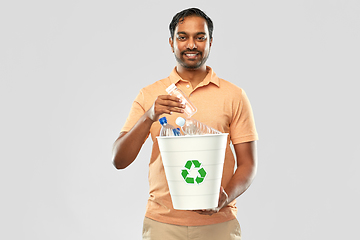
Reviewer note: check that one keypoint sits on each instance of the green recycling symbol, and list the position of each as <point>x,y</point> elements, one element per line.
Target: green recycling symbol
<point>201,172</point>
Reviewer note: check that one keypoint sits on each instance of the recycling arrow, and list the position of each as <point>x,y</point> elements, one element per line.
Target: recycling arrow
<point>201,173</point>
<point>184,173</point>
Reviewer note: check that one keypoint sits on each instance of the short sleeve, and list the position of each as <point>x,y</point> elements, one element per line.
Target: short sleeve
<point>242,126</point>
<point>136,111</point>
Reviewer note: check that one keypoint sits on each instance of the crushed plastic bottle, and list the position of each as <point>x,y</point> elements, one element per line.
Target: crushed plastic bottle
<point>191,126</point>
<point>190,109</point>
<point>167,129</point>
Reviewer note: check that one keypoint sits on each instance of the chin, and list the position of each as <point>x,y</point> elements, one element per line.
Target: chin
<point>191,67</point>
<point>194,66</point>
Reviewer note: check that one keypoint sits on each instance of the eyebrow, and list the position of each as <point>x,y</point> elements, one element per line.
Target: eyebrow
<point>199,33</point>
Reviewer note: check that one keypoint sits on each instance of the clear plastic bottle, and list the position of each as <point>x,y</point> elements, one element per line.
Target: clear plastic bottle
<point>190,109</point>
<point>191,126</point>
<point>167,129</point>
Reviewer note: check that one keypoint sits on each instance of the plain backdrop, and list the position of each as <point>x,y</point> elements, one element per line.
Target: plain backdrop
<point>70,70</point>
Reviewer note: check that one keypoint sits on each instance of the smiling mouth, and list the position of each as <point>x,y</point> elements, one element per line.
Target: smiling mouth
<point>191,55</point>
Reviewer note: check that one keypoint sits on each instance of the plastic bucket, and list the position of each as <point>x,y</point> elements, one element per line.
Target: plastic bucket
<point>193,167</point>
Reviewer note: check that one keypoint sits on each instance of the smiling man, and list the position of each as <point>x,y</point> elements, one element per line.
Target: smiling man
<point>221,105</point>
<point>191,46</point>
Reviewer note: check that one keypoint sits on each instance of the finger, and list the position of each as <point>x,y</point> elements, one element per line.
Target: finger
<point>222,192</point>
<point>170,98</point>
<point>170,103</point>
<point>226,195</point>
<point>168,110</point>
<point>209,213</point>
<point>166,101</point>
<point>168,107</point>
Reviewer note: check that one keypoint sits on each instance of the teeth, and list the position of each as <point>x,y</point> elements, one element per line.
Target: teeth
<point>191,54</point>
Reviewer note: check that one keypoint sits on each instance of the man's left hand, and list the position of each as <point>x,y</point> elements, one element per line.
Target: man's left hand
<point>223,201</point>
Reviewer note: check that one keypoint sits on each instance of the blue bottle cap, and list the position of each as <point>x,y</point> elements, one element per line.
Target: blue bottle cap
<point>163,120</point>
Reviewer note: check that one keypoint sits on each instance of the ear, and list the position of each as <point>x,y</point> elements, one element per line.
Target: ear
<point>211,40</point>
<point>171,44</point>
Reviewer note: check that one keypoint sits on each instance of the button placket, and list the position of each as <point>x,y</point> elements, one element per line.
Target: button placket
<point>186,88</point>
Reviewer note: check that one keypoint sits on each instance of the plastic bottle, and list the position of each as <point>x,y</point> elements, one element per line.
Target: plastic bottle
<point>167,129</point>
<point>190,109</point>
<point>191,126</point>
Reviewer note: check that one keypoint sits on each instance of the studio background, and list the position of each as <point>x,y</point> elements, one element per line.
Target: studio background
<point>70,70</point>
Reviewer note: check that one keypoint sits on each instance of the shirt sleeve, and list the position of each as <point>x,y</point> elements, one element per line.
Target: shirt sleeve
<point>242,127</point>
<point>136,111</point>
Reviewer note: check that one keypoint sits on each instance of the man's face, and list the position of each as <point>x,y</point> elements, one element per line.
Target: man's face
<point>191,44</point>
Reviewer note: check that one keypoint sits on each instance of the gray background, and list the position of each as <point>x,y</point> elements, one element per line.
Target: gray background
<point>70,70</point>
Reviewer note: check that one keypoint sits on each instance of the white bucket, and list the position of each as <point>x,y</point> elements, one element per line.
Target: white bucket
<point>193,167</point>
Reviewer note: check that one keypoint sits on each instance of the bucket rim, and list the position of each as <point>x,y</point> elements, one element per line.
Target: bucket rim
<point>192,136</point>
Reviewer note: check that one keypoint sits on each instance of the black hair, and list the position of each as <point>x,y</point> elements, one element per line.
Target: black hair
<point>179,17</point>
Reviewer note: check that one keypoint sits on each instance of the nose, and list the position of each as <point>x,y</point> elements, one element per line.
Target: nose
<point>191,44</point>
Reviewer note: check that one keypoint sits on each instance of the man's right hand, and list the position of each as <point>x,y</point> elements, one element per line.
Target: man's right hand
<point>164,104</point>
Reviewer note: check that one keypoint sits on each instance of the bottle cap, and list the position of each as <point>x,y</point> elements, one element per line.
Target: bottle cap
<point>180,121</point>
<point>163,120</point>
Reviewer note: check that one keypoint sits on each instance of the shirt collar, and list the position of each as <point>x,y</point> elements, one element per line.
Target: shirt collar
<point>210,77</point>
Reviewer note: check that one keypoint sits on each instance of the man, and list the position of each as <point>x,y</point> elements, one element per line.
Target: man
<point>220,105</point>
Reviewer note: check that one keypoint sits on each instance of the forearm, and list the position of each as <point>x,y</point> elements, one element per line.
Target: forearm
<point>240,181</point>
<point>238,184</point>
<point>245,172</point>
<point>128,145</point>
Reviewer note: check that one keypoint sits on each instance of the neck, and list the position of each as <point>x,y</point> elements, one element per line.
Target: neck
<point>194,76</point>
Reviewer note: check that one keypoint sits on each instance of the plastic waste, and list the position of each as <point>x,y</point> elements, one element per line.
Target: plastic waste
<point>167,129</point>
<point>191,126</point>
<point>190,109</point>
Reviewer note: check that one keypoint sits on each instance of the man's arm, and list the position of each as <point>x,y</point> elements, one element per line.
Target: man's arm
<point>241,180</point>
<point>246,155</point>
<point>128,144</point>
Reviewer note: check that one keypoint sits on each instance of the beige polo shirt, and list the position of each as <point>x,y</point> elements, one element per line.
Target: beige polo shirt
<point>220,105</point>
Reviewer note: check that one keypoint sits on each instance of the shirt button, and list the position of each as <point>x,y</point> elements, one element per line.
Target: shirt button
<point>188,86</point>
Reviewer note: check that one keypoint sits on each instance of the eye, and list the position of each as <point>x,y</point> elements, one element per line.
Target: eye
<point>202,38</point>
<point>181,38</point>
